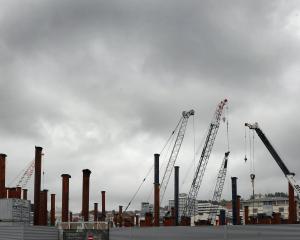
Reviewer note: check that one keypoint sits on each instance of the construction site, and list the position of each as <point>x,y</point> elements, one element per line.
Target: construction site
<point>258,217</point>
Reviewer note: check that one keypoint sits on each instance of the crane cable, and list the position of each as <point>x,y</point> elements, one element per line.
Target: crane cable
<point>134,195</point>
<point>172,134</point>
<point>196,152</point>
<point>251,149</point>
<point>253,136</point>
<point>245,159</point>
<point>152,166</point>
<point>194,144</point>
<point>227,128</point>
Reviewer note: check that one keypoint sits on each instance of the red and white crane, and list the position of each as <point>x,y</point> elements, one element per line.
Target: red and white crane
<point>199,173</point>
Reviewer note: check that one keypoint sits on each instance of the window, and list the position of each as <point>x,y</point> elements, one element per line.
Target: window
<point>281,209</point>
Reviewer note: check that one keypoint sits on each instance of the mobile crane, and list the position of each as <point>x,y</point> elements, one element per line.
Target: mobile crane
<point>218,189</point>
<point>175,151</point>
<point>205,154</point>
<point>289,175</point>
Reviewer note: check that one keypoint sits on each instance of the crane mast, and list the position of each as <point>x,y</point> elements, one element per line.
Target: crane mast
<point>218,189</point>
<point>289,175</point>
<point>208,145</point>
<point>175,151</point>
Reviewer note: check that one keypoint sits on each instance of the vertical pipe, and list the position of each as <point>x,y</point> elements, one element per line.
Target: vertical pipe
<point>37,183</point>
<point>85,194</point>
<point>222,219</point>
<point>10,192</point>
<point>18,192</point>
<point>95,212</point>
<point>25,194</point>
<point>176,194</point>
<point>296,212</point>
<point>2,175</point>
<point>246,214</point>
<point>45,209</point>
<point>120,216</point>
<point>137,220</point>
<point>65,197</point>
<point>292,217</point>
<point>41,213</point>
<point>238,207</point>
<point>52,214</point>
<point>71,217</point>
<point>234,200</point>
<point>103,205</point>
<point>156,189</point>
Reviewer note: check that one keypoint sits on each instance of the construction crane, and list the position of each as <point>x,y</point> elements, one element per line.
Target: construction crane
<point>218,189</point>
<point>208,145</point>
<point>26,175</point>
<point>182,123</point>
<point>170,166</point>
<point>289,175</point>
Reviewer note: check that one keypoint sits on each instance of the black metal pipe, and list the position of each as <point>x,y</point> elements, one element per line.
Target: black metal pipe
<point>156,189</point>
<point>156,168</point>
<point>222,220</point>
<point>176,194</point>
<point>234,200</point>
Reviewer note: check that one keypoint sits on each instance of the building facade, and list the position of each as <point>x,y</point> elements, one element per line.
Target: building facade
<point>268,205</point>
<point>146,207</point>
<point>181,203</point>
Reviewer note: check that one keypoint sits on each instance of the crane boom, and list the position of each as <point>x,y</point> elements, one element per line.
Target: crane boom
<point>218,189</point>
<point>289,175</point>
<point>208,145</point>
<point>26,175</point>
<point>175,151</point>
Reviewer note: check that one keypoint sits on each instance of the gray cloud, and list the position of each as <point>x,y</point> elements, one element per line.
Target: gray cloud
<point>101,85</point>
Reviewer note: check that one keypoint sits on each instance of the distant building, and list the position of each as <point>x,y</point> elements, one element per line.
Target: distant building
<point>181,203</point>
<point>268,205</point>
<point>146,207</point>
<point>203,211</point>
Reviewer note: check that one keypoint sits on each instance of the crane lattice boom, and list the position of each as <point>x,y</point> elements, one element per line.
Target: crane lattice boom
<point>218,189</point>
<point>26,176</point>
<point>208,145</point>
<point>174,153</point>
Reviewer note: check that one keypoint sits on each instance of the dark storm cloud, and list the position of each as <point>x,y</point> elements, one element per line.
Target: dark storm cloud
<point>102,84</point>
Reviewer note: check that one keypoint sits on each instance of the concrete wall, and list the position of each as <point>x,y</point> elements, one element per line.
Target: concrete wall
<point>259,232</point>
<point>26,232</point>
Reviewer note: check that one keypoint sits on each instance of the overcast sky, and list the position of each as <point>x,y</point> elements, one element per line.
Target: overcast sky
<point>102,84</point>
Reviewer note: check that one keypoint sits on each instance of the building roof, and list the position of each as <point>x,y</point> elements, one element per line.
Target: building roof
<point>267,199</point>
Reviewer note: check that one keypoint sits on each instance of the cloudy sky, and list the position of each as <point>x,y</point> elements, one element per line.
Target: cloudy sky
<point>102,84</point>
